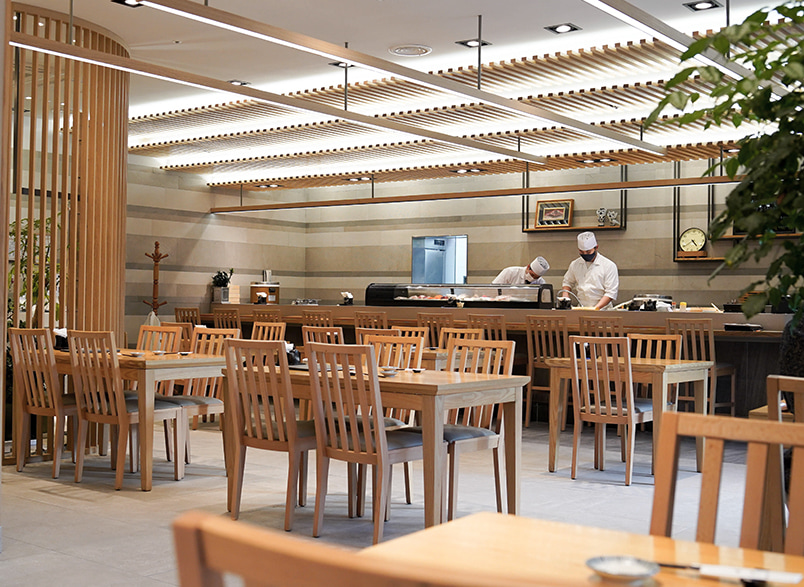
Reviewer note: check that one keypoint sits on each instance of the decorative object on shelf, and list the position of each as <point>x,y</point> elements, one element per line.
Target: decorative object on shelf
<point>221,290</point>
<point>554,213</point>
<point>601,216</point>
<point>612,216</point>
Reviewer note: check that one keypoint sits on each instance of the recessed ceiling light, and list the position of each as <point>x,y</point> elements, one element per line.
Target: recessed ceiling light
<point>472,43</point>
<point>599,160</point>
<point>129,3</point>
<point>560,29</point>
<point>410,50</point>
<point>268,185</point>
<point>238,82</point>
<point>364,178</point>
<point>341,64</point>
<point>702,5</point>
<point>731,150</point>
<point>469,170</point>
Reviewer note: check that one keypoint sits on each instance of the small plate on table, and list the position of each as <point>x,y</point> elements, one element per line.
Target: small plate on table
<point>159,352</point>
<point>622,568</point>
<point>388,371</point>
<point>134,354</point>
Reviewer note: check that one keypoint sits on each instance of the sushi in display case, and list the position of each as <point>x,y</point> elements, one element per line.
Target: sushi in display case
<point>458,295</point>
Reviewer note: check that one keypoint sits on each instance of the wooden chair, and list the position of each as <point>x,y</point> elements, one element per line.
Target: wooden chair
<point>415,332</point>
<point>210,548</point>
<point>186,334</point>
<point>227,318</point>
<point>402,352</point>
<point>268,331</point>
<point>37,388</point>
<point>760,436</point>
<point>365,319</point>
<point>603,393</point>
<point>434,322</point>
<point>601,326</point>
<point>548,338</point>
<point>448,334</point>
<point>326,334</point>
<point>493,325</point>
<point>699,345</point>
<point>477,428</point>
<point>317,318</point>
<point>349,423</point>
<point>264,413</point>
<point>266,315</point>
<point>361,333</point>
<point>191,315</point>
<point>101,399</point>
<point>655,346</point>
<point>159,338</point>
<point>203,396</point>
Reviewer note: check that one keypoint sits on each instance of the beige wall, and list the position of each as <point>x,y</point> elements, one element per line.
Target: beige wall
<point>319,252</point>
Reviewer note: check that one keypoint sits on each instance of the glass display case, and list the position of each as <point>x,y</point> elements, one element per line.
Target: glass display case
<point>452,295</point>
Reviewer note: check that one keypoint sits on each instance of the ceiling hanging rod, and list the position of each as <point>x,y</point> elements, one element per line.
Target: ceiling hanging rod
<point>479,50</point>
<point>61,49</point>
<point>273,34</point>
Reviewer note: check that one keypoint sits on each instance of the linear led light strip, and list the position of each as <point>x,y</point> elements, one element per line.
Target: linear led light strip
<point>639,19</point>
<point>266,32</point>
<point>59,49</point>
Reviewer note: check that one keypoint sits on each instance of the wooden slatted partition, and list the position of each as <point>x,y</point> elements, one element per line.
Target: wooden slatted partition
<point>66,177</point>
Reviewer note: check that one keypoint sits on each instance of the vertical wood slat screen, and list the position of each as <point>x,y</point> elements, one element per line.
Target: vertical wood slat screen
<point>68,179</point>
<point>64,168</point>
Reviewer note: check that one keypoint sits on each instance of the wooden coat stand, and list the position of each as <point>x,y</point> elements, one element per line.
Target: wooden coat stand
<point>156,256</point>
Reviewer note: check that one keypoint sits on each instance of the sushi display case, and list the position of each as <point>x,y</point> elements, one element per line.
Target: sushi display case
<point>460,295</point>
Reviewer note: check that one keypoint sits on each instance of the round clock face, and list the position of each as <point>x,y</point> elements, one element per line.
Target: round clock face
<point>692,239</point>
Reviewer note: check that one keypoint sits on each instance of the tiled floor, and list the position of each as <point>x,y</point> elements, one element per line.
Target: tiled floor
<point>58,532</point>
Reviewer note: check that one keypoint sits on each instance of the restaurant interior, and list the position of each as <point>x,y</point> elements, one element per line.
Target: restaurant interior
<point>189,183</point>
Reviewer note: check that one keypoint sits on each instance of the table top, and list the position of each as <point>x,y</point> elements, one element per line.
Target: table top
<point>517,550</point>
<point>151,360</point>
<point>641,364</point>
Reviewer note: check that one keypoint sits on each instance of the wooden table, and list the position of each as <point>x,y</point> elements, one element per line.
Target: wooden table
<point>147,371</point>
<point>433,393</point>
<point>522,551</point>
<point>660,373</point>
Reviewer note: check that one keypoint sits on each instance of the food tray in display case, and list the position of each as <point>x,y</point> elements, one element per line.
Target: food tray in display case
<point>455,295</point>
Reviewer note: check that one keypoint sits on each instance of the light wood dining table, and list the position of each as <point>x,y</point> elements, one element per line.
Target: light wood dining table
<point>147,370</point>
<point>433,393</point>
<point>659,373</point>
<point>523,551</point>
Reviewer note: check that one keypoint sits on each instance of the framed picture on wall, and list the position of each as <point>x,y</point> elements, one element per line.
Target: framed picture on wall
<point>553,213</point>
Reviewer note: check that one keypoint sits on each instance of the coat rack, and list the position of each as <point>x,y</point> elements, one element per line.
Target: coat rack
<point>156,256</point>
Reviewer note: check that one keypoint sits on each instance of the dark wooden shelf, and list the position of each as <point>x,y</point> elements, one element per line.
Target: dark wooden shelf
<point>698,259</point>
<point>578,228</point>
<point>778,235</point>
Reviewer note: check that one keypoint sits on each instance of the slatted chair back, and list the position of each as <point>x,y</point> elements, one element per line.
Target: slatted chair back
<point>655,346</point>
<point>448,334</point>
<point>266,315</point>
<point>364,319</point>
<point>96,374</point>
<point>548,338</point>
<point>268,331</point>
<point>210,548</point>
<point>402,352</point>
<point>37,383</point>
<point>415,332</point>
<point>186,334</point>
<point>317,318</point>
<point>759,435</point>
<point>159,338</point>
<point>209,341</point>
<point>325,334</point>
<point>226,318</point>
<point>493,325</point>
<point>698,344</point>
<point>361,333</point>
<point>191,315</point>
<point>479,356</point>
<point>434,322</point>
<point>601,326</point>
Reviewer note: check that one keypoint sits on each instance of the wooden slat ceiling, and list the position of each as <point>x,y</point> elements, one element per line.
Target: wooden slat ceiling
<point>253,144</point>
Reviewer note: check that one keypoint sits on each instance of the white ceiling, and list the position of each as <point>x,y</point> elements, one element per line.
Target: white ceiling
<point>514,27</point>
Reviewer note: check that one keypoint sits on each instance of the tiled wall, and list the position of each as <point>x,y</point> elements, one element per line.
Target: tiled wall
<point>319,252</point>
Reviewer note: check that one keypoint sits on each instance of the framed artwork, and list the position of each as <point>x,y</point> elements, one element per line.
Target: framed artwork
<point>553,213</point>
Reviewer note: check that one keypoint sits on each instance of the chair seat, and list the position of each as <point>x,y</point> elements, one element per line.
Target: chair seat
<point>396,439</point>
<point>190,400</point>
<point>641,406</point>
<point>133,406</point>
<point>455,432</point>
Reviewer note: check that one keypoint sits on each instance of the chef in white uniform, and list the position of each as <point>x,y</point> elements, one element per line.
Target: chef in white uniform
<point>593,277</point>
<point>527,275</point>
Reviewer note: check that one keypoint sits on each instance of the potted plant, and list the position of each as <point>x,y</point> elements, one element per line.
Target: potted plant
<point>222,291</point>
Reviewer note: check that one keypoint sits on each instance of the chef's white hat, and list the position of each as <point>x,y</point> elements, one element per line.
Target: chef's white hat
<point>586,241</point>
<point>539,265</point>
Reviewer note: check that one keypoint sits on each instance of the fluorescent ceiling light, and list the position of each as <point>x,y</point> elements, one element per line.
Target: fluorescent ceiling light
<point>272,34</point>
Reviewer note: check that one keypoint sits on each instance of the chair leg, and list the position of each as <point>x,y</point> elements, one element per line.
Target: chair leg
<point>630,433</point>
<point>382,479</point>
<point>120,460</point>
<point>733,395</point>
<point>58,444</point>
<point>406,469</point>
<point>134,442</point>
<point>304,461</point>
<point>238,470</point>
<point>352,489</point>
<point>452,486</point>
<point>80,443</point>
<point>294,463</point>
<point>322,480</point>
<point>497,455</point>
<point>528,401</point>
<point>576,444</point>
<point>23,440</point>
<point>168,449</point>
<point>180,435</point>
